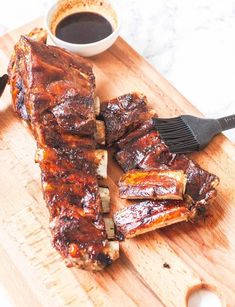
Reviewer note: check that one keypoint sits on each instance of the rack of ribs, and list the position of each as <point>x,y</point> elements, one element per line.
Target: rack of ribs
<point>141,152</point>
<point>53,91</point>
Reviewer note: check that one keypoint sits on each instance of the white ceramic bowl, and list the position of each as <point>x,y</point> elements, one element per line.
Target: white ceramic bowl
<point>63,8</point>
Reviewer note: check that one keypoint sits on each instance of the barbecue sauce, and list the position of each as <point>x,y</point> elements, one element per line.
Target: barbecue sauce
<point>83,28</point>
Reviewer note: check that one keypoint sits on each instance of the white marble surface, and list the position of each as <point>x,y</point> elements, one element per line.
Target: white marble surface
<point>192,43</point>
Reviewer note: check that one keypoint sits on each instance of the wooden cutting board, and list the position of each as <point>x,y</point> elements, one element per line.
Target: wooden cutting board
<point>199,255</point>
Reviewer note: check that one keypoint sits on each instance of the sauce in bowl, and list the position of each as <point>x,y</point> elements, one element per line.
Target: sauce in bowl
<point>83,28</point>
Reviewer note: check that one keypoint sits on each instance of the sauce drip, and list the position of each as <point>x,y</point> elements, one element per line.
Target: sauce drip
<point>83,28</point>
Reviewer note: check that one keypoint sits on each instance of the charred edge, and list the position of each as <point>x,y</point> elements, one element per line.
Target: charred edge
<point>3,83</point>
<point>104,259</point>
<point>20,106</point>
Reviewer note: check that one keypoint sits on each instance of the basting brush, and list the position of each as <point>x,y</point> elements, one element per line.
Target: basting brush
<point>188,133</point>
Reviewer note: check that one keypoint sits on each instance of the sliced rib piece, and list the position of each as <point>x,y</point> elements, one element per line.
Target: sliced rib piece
<point>152,184</point>
<point>135,151</point>
<point>123,114</point>
<point>141,130</point>
<point>146,216</point>
<point>53,90</point>
<point>200,183</point>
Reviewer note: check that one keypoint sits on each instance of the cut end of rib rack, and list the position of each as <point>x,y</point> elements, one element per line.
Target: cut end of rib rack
<point>106,258</point>
<point>176,134</point>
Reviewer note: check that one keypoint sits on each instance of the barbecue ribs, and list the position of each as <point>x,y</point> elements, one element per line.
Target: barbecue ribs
<point>53,90</point>
<point>140,147</point>
<point>145,216</point>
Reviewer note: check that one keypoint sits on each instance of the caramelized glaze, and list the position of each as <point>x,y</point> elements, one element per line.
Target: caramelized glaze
<point>53,91</point>
<point>152,184</point>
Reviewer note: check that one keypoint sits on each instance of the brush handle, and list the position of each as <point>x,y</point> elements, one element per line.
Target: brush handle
<point>227,122</point>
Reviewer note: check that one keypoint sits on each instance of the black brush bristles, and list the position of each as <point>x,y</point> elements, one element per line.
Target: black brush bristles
<point>187,133</point>
<point>176,134</point>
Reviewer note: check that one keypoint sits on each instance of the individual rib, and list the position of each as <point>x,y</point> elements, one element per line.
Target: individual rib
<point>131,155</point>
<point>152,184</point>
<point>123,114</point>
<point>146,216</point>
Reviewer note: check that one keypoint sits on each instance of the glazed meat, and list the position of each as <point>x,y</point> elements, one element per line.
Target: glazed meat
<point>132,154</point>
<point>123,114</point>
<point>48,91</point>
<point>145,216</point>
<point>152,184</point>
<point>53,90</point>
<point>142,129</point>
<point>200,183</point>
<point>65,159</point>
<point>71,191</point>
<point>93,251</point>
<point>142,148</point>
<point>150,152</point>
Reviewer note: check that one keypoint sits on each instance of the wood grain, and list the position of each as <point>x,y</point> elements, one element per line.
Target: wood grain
<point>198,253</point>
